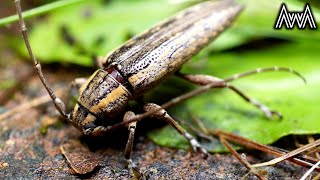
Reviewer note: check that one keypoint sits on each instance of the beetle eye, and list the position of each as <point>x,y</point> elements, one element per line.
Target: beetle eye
<point>116,75</point>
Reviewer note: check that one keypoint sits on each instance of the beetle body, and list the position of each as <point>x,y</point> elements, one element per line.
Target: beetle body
<point>147,59</point>
<point>143,62</point>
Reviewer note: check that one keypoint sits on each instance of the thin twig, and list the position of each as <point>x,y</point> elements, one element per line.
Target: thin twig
<point>28,105</point>
<point>316,153</point>
<point>267,149</point>
<point>251,144</point>
<point>310,171</point>
<point>242,160</point>
<point>290,154</point>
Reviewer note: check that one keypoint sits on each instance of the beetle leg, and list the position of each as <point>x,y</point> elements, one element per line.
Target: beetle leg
<point>202,80</point>
<point>163,115</point>
<point>133,168</point>
<point>101,130</point>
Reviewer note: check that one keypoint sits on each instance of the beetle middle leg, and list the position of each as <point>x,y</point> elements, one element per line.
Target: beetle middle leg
<point>163,115</point>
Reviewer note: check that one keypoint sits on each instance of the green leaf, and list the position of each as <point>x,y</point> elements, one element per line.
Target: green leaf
<point>95,27</point>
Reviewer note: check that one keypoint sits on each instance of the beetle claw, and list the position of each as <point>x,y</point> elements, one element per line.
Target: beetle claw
<point>276,114</point>
<point>134,170</point>
<point>196,146</point>
<point>199,149</point>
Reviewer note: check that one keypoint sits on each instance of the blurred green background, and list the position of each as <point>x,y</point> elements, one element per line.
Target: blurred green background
<point>96,27</point>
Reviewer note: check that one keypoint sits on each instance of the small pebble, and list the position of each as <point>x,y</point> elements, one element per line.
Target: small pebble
<point>4,165</point>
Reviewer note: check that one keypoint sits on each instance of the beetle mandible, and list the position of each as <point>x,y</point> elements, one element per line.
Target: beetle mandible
<point>142,63</point>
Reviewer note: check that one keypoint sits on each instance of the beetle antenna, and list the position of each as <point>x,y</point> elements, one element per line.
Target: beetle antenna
<point>268,69</point>
<point>60,106</point>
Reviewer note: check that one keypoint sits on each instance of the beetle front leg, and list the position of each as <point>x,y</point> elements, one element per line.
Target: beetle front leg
<point>133,168</point>
<point>202,80</point>
<point>163,115</point>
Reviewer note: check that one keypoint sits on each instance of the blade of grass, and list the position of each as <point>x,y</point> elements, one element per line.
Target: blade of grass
<point>38,11</point>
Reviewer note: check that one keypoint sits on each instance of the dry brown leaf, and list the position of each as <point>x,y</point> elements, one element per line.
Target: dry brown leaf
<point>79,157</point>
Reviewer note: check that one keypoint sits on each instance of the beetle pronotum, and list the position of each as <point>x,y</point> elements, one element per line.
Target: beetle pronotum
<point>144,61</point>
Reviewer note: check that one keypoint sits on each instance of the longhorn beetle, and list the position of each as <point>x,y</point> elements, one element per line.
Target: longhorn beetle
<point>143,62</point>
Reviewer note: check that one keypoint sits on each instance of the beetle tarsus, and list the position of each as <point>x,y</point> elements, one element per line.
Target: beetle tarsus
<point>131,127</point>
<point>269,113</point>
<point>277,114</point>
<point>196,147</point>
<point>134,170</point>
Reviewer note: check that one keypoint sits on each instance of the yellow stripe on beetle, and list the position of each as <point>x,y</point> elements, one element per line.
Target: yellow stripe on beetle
<point>110,98</point>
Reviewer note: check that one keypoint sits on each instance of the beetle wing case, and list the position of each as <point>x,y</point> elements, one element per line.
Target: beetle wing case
<point>158,52</point>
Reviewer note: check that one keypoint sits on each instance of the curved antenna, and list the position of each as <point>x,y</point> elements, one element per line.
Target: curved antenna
<point>60,106</point>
